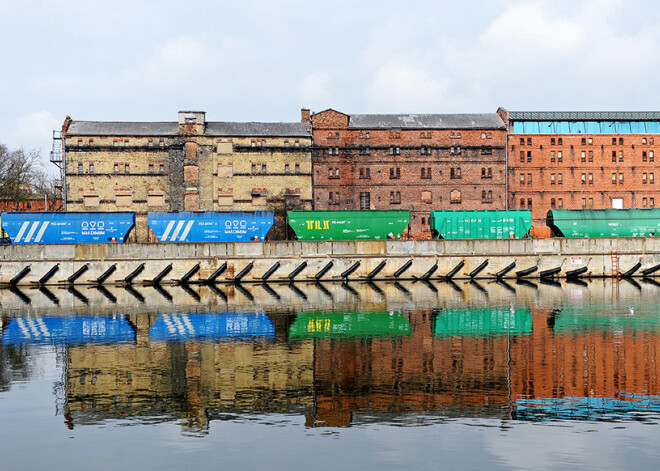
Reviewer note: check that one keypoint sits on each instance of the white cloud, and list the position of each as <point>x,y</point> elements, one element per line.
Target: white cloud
<point>316,90</point>
<point>36,125</point>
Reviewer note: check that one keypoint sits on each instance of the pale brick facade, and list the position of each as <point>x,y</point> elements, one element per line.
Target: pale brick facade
<point>190,164</point>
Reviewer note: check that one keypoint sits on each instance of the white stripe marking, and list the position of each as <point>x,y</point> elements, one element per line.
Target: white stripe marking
<point>185,231</point>
<point>20,233</point>
<point>32,229</point>
<point>167,231</point>
<point>177,230</point>
<point>41,231</point>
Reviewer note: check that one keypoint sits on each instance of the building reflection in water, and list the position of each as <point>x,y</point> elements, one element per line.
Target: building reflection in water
<point>401,352</point>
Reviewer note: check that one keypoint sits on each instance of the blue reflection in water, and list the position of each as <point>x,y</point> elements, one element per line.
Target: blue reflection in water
<point>67,330</point>
<point>587,408</point>
<point>211,326</point>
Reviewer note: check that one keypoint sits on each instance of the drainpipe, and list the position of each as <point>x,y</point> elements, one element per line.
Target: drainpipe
<point>506,167</point>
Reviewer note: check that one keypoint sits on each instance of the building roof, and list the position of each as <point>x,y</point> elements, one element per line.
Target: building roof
<point>126,128</point>
<point>426,121</point>
<point>584,115</point>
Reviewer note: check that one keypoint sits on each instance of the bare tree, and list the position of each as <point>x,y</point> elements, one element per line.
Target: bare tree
<point>22,175</point>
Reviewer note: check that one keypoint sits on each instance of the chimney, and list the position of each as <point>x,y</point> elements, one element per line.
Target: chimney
<point>65,126</point>
<point>305,116</point>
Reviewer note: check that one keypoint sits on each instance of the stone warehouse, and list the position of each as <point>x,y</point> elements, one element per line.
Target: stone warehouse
<point>190,164</point>
<point>419,162</point>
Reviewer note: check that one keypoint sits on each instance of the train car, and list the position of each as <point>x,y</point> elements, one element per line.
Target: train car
<point>210,226</point>
<point>348,224</point>
<point>57,227</point>
<point>604,222</point>
<point>212,326</point>
<point>477,224</point>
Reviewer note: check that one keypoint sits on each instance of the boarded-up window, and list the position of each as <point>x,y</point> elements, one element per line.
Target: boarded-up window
<point>155,200</point>
<point>225,148</point>
<point>91,200</point>
<point>124,201</point>
<point>258,200</point>
<point>455,196</point>
<point>225,171</point>
<point>427,197</point>
<point>225,200</point>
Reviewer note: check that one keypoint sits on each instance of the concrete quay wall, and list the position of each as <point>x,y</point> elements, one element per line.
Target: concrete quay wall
<point>99,259</point>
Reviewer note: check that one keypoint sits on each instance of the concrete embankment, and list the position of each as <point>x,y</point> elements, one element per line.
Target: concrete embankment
<point>311,261</point>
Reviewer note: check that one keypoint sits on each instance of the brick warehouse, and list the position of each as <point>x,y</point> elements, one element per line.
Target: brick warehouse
<point>409,161</point>
<point>581,160</point>
<point>190,164</point>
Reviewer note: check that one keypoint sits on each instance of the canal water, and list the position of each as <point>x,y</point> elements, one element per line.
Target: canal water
<point>437,375</point>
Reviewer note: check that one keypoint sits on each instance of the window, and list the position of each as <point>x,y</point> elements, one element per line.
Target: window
<point>560,203</point>
<point>621,179</point>
<point>127,168</point>
<point>583,141</point>
<point>254,169</point>
<point>559,156</point>
<point>395,197</point>
<point>297,169</point>
<point>455,173</point>
<point>365,151</point>
<point>486,172</point>
<point>644,203</point>
<point>425,150</point>
<point>395,150</point>
<point>151,142</point>
<point>553,204</point>
<point>620,156</point>
<point>552,141</point>
<point>529,156</point>
<point>161,169</point>
<point>80,167</point>
<point>254,143</point>
<point>116,168</point>
<point>427,197</point>
<point>644,156</point>
<point>522,202</point>
<point>395,134</point>
<point>590,141</point>
<point>643,178</point>
<point>614,141</point>
<point>591,179</point>
<point>91,168</point>
<point>287,170</point>
<point>486,196</point>
<point>522,178</point>
<point>522,141</point>
<point>651,178</point>
<point>426,172</point>
<point>529,178</point>
<point>529,203</point>
<point>263,143</point>
<point>395,173</point>
<point>529,141</point>
<point>591,203</point>
<point>151,168</point>
<point>522,156</point>
<point>559,141</point>
<point>552,156</point>
<point>620,141</point>
<point>114,142</point>
<point>264,169</point>
<point>614,179</point>
<point>584,156</point>
<point>126,142</point>
<point>80,142</point>
<point>455,197</point>
<point>644,140</point>
<point>584,203</point>
<point>552,178</point>
<point>365,172</point>
<point>584,178</point>
<point>651,202</point>
<point>161,143</point>
<point>333,198</point>
<point>591,156</point>
<point>365,200</point>
<point>486,151</point>
<point>651,156</point>
<point>613,156</point>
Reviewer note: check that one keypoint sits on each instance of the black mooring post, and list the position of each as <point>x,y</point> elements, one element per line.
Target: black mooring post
<point>506,270</point>
<point>19,276</point>
<point>577,272</point>
<point>526,271</point>
<point>106,274</point>
<point>451,274</point>
<point>401,270</point>
<point>270,271</point>
<point>324,270</point>
<point>630,272</point>
<point>49,274</point>
<point>478,270</point>
<point>78,273</point>
<point>244,272</point>
<point>185,278</point>
<point>651,270</point>
<point>131,276</point>
<point>162,274</point>
<point>430,272</point>
<point>211,279</point>
<point>376,270</point>
<point>550,272</point>
<point>350,270</point>
<point>297,270</point>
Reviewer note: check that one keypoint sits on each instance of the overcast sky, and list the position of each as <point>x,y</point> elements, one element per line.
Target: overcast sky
<point>263,60</point>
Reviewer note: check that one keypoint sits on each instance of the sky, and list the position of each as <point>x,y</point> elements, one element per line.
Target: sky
<point>264,60</point>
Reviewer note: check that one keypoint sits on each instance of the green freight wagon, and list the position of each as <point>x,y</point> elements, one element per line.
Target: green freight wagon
<point>348,225</point>
<point>480,224</point>
<point>604,222</point>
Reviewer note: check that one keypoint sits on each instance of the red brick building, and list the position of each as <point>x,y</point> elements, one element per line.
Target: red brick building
<point>581,160</point>
<point>419,162</point>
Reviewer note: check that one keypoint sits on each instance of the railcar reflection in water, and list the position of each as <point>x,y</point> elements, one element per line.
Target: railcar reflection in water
<point>338,356</point>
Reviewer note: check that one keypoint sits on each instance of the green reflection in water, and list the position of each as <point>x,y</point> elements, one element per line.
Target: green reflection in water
<point>482,322</point>
<point>349,324</point>
<point>573,320</point>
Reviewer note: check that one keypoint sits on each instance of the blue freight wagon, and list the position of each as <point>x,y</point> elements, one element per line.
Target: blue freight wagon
<point>52,227</point>
<point>67,330</point>
<point>211,226</point>
<point>228,326</point>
